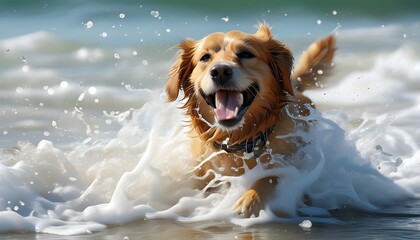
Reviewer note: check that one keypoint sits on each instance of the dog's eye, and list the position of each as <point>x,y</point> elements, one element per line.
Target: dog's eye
<point>245,54</point>
<point>205,57</point>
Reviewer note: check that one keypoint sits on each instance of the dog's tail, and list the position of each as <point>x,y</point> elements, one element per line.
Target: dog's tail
<point>315,63</point>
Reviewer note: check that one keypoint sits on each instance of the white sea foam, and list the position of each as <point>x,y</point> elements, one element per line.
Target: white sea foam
<point>143,173</point>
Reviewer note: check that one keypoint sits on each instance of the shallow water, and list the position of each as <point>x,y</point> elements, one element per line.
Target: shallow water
<point>88,146</point>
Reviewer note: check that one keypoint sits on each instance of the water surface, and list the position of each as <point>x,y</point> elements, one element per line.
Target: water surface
<point>88,147</point>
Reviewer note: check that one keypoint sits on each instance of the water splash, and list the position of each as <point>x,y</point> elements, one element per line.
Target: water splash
<point>154,13</point>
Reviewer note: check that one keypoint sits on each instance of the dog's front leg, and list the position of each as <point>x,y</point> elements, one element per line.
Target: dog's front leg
<point>255,198</point>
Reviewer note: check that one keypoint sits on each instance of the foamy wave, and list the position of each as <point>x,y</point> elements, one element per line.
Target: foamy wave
<point>144,172</point>
<point>29,42</point>
<point>390,83</point>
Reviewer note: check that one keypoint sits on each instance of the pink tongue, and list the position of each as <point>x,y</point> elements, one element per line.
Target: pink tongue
<point>226,104</point>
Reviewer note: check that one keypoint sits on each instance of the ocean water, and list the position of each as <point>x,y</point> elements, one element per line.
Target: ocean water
<point>89,148</point>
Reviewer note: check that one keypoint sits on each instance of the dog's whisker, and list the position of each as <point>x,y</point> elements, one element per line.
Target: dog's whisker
<point>256,92</point>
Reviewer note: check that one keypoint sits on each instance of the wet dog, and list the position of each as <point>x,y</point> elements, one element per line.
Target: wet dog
<point>239,93</point>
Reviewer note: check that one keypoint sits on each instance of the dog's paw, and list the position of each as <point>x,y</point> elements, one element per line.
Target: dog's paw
<point>249,204</point>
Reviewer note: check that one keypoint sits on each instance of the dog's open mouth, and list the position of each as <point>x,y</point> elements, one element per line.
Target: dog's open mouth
<point>229,105</point>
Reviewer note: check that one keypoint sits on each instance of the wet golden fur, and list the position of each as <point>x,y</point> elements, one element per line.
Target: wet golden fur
<point>277,101</point>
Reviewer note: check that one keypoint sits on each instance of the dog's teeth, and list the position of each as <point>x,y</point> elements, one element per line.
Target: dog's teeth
<point>241,99</point>
<point>236,111</point>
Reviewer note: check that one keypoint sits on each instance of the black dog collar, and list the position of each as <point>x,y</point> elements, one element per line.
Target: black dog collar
<point>247,146</point>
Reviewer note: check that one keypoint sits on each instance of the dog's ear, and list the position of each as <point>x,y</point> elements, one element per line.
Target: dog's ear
<point>179,75</point>
<point>280,58</point>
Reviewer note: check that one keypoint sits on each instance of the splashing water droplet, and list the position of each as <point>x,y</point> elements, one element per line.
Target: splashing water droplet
<point>103,34</point>
<point>116,56</point>
<point>226,19</point>
<point>305,224</point>
<point>92,90</point>
<point>64,84</point>
<point>334,12</point>
<point>24,60</point>
<point>320,72</point>
<point>122,15</point>
<point>154,13</point>
<point>318,22</point>
<point>82,95</point>
<point>89,24</point>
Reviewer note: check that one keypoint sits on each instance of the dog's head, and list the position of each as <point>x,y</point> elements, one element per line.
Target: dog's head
<point>233,82</point>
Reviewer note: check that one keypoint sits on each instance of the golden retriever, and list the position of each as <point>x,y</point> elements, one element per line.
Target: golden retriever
<point>239,94</point>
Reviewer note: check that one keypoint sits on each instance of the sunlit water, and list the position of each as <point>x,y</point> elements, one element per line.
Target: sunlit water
<point>87,141</point>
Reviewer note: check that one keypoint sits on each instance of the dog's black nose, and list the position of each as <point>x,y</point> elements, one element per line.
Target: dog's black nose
<point>221,74</point>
